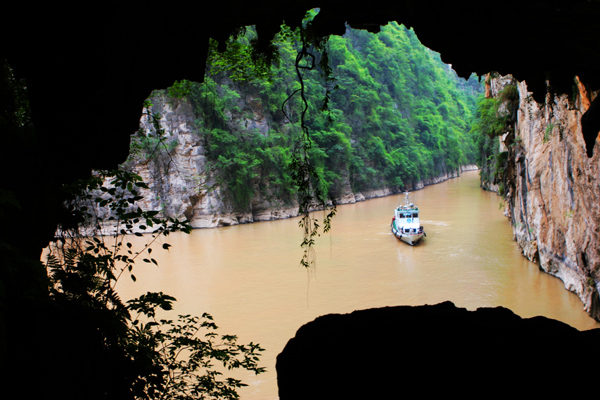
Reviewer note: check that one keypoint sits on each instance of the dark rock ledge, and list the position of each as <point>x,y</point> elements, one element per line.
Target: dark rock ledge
<point>435,350</point>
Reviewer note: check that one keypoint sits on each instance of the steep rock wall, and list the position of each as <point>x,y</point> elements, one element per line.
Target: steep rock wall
<point>182,181</point>
<point>493,88</point>
<point>554,193</point>
<point>184,184</point>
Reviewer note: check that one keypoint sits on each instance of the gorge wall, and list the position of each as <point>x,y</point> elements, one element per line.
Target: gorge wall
<point>183,183</point>
<point>552,196</point>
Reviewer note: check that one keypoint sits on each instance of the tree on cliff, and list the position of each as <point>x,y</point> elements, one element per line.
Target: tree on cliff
<point>396,115</point>
<point>495,116</point>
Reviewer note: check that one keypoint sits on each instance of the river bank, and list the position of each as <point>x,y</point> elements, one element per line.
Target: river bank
<point>209,208</point>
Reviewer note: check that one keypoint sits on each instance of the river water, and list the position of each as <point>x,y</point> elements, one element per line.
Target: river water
<point>248,277</point>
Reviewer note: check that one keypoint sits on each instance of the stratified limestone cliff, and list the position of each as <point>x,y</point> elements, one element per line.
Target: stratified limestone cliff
<point>184,184</point>
<point>553,191</point>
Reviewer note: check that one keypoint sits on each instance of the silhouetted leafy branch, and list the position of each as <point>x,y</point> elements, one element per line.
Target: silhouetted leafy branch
<point>152,358</point>
<point>149,145</point>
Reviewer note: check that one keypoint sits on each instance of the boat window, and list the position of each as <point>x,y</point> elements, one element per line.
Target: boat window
<point>416,215</point>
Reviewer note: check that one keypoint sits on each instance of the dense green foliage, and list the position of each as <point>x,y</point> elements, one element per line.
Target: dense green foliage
<point>396,115</point>
<point>487,127</point>
<point>408,112</point>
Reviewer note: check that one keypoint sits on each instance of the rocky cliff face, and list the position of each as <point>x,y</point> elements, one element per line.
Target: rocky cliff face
<point>553,191</point>
<point>183,183</point>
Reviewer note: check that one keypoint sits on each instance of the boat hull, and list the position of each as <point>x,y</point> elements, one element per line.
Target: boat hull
<point>410,238</point>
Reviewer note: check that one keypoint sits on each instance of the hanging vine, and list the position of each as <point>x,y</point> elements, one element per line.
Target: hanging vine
<point>304,174</point>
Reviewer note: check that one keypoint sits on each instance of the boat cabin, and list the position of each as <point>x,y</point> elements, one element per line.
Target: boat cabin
<point>407,215</point>
<point>407,219</point>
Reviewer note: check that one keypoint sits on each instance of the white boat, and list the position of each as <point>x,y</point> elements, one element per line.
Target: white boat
<point>405,224</point>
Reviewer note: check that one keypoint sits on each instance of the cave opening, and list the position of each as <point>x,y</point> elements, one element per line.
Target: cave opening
<point>88,77</point>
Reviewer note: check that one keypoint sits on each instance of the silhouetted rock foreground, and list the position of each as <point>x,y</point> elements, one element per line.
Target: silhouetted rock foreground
<point>439,350</point>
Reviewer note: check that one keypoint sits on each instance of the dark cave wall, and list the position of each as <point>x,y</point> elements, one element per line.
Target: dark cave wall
<point>88,69</point>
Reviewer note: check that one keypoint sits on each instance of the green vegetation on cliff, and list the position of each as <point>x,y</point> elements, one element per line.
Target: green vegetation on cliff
<point>495,116</point>
<point>408,112</point>
<point>395,115</point>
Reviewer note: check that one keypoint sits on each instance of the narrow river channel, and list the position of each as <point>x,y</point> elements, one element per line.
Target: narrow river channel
<point>248,277</point>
